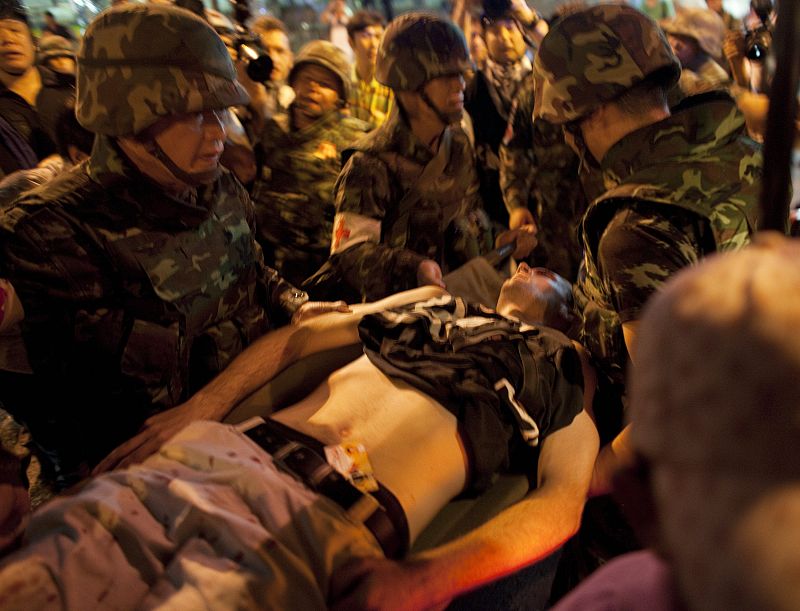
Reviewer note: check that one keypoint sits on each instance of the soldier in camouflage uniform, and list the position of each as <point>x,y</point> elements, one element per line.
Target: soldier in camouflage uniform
<point>301,153</point>
<point>138,269</point>
<point>696,36</point>
<point>407,203</point>
<point>507,29</point>
<point>678,184</point>
<point>539,173</point>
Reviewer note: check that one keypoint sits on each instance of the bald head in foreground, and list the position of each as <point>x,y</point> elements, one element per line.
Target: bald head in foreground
<point>715,430</point>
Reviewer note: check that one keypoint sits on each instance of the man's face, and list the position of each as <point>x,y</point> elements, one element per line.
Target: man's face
<point>194,141</point>
<point>685,48</point>
<point>447,94</point>
<point>504,41</point>
<point>16,47</point>
<point>527,293</point>
<point>365,44</point>
<point>276,44</point>
<point>316,90</point>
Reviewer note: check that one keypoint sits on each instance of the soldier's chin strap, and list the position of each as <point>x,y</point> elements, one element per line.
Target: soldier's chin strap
<point>585,158</point>
<point>438,112</point>
<point>192,179</point>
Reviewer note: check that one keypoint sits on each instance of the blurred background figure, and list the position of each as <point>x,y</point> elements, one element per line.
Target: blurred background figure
<point>369,100</point>
<point>696,36</point>
<point>656,9</point>
<point>335,16</point>
<point>275,42</point>
<point>30,95</point>
<point>58,54</point>
<point>731,22</point>
<point>52,27</point>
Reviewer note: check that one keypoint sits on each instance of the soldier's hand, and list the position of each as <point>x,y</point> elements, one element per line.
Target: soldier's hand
<point>521,216</point>
<point>525,237</point>
<point>429,272</point>
<point>310,309</point>
<point>155,431</point>
<point>733,45</point>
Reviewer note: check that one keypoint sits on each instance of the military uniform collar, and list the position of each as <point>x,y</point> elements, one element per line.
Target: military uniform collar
<point>110,168</point>
<point>310,131</point>
<point>699,124</point>
<point>403,141</point>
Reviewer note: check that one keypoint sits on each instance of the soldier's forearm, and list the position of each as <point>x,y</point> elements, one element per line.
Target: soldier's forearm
<point>250,370</point>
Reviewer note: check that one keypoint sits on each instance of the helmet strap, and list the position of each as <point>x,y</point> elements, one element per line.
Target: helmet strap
<point>585,158</point>
<point>439,114</point>
<point>192,179</point>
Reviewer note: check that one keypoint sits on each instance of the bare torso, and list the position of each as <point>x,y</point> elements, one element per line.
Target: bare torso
<point>411,440</point>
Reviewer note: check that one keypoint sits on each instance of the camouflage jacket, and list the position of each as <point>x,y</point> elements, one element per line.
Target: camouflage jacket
<point>539,171</point>
<point>294,194</point>
<point>375,250</point>
<point>675,190</point>
<point>133,299</point>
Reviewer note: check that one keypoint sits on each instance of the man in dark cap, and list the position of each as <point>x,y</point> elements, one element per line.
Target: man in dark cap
<point>29,95</point>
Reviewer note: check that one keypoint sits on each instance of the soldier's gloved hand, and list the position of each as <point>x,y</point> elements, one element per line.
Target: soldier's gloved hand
<point>521,216</point>
<point>310,309</point>
<point>525,237</point>
<point>429,272</point>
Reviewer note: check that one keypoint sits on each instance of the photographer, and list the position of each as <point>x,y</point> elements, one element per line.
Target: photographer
<point>274,39</point>
<point>254,69</point>
<point>746,51</point>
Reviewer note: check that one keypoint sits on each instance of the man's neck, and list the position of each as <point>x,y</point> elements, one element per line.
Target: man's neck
<point>429,132</point>
<point>301,120</point>
<point>533,316</point>
<point>365,70</point>
<point>26,85</point>
<point>151,167</point>
<point>617,125</point>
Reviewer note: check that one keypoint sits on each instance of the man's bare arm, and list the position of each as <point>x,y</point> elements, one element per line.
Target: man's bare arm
<point>254,367</point>
<point>519,536</point>
<point>619,453</point>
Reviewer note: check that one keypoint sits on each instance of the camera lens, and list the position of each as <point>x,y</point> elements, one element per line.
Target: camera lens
<point>260,68</point>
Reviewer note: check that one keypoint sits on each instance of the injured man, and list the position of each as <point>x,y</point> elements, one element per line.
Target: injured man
<point>254,516</point>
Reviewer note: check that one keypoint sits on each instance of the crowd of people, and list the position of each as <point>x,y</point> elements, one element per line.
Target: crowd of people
<point>508,216</point>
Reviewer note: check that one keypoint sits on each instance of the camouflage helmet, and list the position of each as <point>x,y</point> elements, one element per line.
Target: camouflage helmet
<point>140,62</point>
<point>55,46</point>
<point>418,47</point>
<point>595,55</point>
<point>327,55</point>
<point>703,25</point>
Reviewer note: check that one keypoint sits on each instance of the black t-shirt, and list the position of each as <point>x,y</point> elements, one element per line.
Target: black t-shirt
<point>459,355</point>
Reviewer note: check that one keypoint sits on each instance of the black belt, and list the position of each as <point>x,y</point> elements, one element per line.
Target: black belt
<point>304,464</point>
